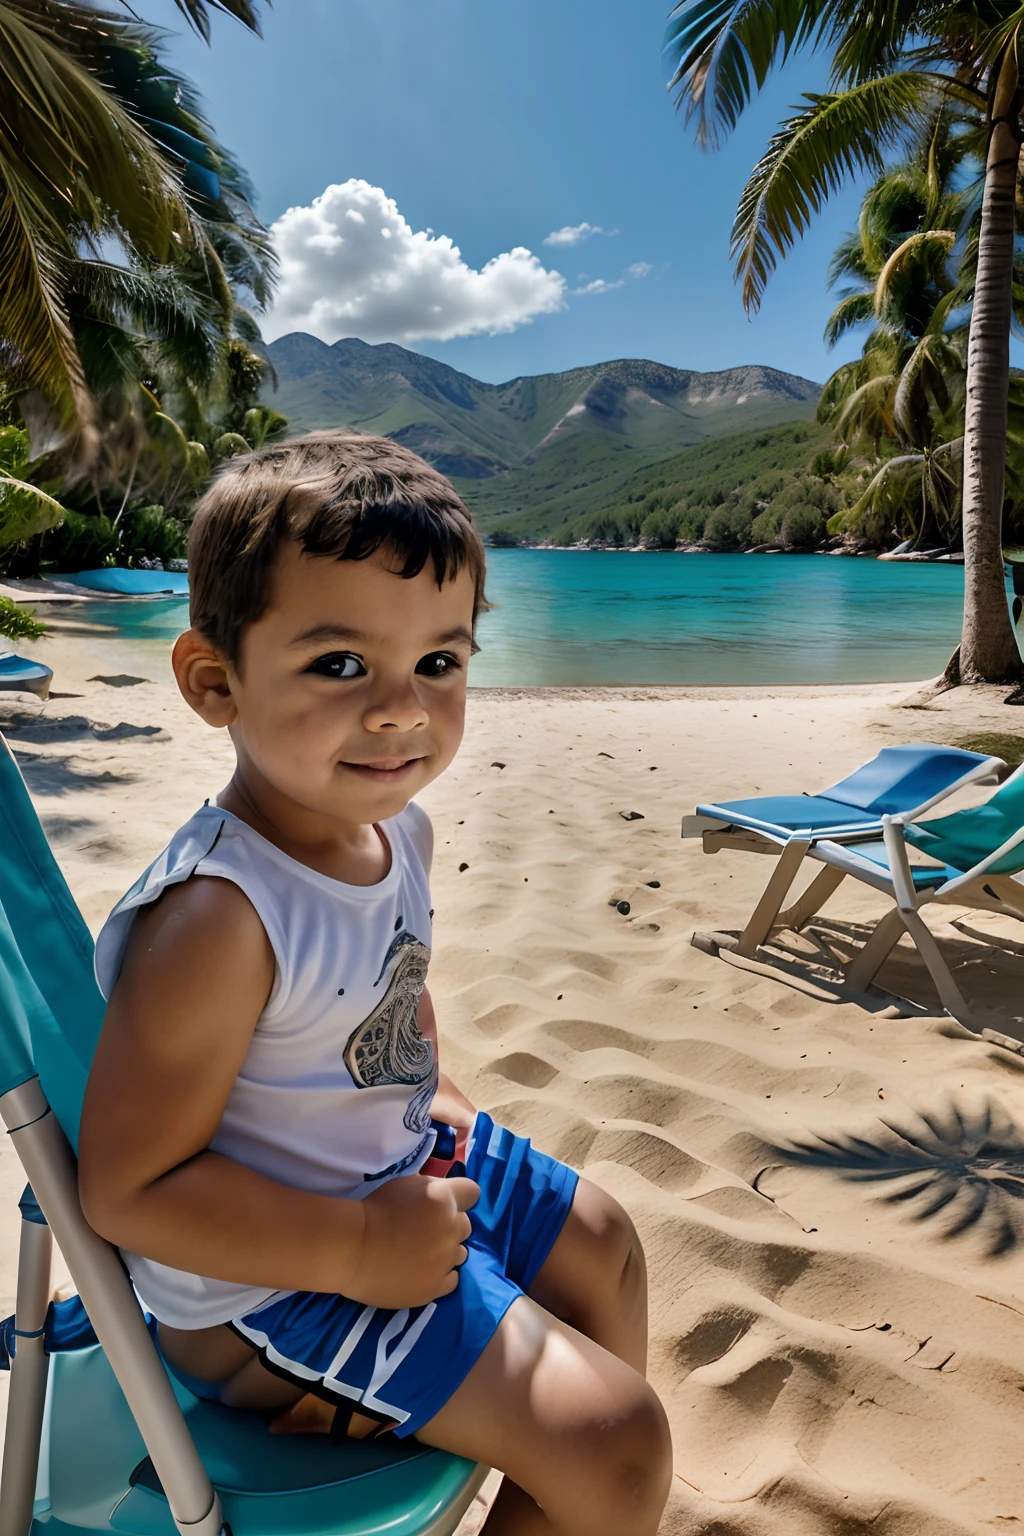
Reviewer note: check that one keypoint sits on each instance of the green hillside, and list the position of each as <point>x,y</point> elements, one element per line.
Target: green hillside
<point>714,491</point>
<point>588,473</point>
<point>537,450</point>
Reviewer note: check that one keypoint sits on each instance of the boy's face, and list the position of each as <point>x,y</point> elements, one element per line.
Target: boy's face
<point>350,690</point>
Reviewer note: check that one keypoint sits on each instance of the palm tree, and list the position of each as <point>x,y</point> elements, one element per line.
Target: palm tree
<point>79,168</point>
<point>894,64</point>
<point>904,265</point>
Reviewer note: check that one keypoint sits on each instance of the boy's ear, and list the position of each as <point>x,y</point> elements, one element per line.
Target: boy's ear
<point>201,673</point>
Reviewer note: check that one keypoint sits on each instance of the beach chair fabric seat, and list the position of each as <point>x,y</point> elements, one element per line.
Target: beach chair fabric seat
<point>871,860</point>
<point>900,781</point>
<point>99,1475</point>
<point>92,1457</point>
<point>969,836</point>
<point>791,813</point>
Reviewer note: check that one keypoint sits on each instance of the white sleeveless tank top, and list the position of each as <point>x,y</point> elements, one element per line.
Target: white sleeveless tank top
<point>335,1090</point>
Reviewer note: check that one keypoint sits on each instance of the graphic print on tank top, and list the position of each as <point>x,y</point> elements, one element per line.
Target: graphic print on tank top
<point>387,1048</point>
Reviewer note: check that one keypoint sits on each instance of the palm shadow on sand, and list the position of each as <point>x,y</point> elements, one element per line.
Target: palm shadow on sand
<point>959,1169</point>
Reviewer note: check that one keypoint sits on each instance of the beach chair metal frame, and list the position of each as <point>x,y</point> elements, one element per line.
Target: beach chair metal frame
<point>910,888</point>
<point>115,1314</point>
<point>725,827</point>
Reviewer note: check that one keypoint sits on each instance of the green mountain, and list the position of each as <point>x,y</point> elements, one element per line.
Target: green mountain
<point>533,444</point>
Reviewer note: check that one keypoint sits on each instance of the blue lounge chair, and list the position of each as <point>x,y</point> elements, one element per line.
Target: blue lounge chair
<point>973,857</point>
<point>901,782</point>
<point>19,675</point>
<point>100,1439</point>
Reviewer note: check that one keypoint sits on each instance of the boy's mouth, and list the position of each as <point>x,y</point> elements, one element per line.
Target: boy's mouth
<point>384,770</point>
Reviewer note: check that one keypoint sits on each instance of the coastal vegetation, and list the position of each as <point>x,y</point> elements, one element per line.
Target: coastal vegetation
<point>895,68</point>
<point>132,271</point>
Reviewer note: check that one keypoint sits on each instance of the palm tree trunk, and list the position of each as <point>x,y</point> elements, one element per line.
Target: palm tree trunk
<point>988,649</point>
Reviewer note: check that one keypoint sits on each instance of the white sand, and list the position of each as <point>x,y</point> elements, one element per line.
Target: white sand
<point>835,1356</point>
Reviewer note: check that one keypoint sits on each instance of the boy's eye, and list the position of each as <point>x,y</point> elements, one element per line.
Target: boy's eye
<point>437,664</point>
<point>337,664</point>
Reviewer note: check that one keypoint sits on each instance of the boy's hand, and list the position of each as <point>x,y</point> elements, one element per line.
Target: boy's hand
<point>413,1241</point>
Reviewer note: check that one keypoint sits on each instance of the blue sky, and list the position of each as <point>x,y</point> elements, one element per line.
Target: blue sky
<point>496,125</point>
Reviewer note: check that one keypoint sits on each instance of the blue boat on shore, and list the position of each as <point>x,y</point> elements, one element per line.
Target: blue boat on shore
<point>19,675</point>
<point>117,581</point>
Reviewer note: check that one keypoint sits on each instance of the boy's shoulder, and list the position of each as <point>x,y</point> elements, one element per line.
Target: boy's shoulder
<point>417,826</point>
<point>190,845</point>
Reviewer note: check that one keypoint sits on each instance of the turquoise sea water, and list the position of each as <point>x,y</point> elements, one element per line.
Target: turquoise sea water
<point>571,617</point>
<point>567,616</point>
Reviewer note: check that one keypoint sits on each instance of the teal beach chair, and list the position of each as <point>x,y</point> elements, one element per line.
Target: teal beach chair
<point>970,858</point>
<point>900,782</point>
<point>100,1439</point>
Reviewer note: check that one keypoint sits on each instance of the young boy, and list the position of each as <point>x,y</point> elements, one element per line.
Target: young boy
<point>321,1222</point>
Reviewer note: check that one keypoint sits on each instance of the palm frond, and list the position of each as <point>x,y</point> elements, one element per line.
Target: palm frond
<point>721,51</point>
<point>855,309</point>
<point>867,42</point>
<point>925,242</point>
<point>849,259</point>
<point>90,155</point>
<point>197,13</point>
<point>25,510</point>
<point>923,390</point>
<point>866,415</point>
<point>808,159</point>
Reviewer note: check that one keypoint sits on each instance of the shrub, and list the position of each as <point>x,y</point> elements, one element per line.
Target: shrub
<point>17,623</point>
<point>727,528</point>
<point>690,526</point>
<point>802,527</point>
<point>765,527</point>
<point>148,533</point>
<point>659,530</point>
<point>81,543</point>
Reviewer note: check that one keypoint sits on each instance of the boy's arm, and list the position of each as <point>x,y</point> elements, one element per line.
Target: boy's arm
<point>450,1103</point>
<point>197,974</point>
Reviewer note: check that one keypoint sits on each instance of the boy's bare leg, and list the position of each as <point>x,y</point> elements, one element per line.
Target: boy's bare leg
<point>595,1277</point>
<point>220,1357</point>
<point>582,1438</point>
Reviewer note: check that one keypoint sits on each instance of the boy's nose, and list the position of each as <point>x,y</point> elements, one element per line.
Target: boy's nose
<point>400,711</point>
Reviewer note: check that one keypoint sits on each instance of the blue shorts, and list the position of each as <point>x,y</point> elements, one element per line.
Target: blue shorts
<point>403,1366</point>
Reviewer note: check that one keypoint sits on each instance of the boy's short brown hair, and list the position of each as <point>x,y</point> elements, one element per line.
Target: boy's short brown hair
<point>338,494</point>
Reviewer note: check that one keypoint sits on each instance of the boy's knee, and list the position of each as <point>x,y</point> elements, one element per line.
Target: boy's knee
<point>629,1469</point>
<point>621,1250</point>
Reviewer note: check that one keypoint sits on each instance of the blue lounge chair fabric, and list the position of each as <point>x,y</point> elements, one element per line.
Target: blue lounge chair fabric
<point>50,1006</point>
<point>50,1016</point>
<point>19,673</point>
<point>792,813</point>
<point>967,837</point>
<point>116,580</point>
<point>874,856</point>
<point>900,781</point>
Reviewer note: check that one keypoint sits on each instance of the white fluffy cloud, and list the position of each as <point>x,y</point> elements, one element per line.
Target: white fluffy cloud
<point>598,285</point>
<point>608,285</point>
<point>351,265</point>
<point>572,234</point>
